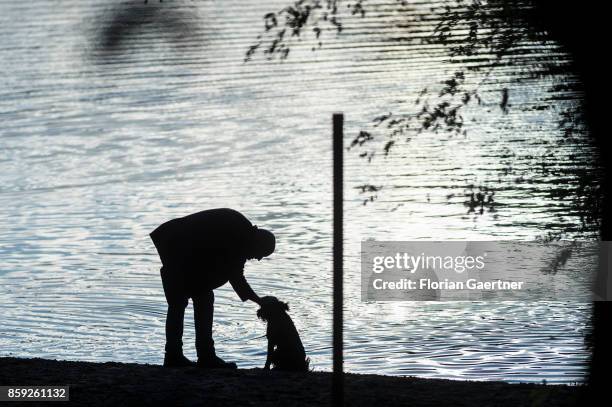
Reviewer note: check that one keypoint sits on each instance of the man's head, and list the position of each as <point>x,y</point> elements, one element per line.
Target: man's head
<point>262,244</point>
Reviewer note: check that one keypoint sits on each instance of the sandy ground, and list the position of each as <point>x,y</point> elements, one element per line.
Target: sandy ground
<point>124,384</point>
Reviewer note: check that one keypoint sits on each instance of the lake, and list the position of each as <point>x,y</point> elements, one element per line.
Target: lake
<point>99,146</point>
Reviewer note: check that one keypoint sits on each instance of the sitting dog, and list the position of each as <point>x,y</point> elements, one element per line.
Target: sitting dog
<point>285,349</point>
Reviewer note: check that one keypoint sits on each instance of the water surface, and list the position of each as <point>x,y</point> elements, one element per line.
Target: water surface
<point>98,148</point>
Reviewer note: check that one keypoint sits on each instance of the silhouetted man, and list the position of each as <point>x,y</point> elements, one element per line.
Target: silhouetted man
<point>199,253</point>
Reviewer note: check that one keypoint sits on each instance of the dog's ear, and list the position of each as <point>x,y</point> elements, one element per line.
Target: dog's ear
<point>284,305</point>
<point>261,314</point>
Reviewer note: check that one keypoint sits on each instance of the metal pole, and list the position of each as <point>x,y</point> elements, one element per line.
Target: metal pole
<point>338,378</point>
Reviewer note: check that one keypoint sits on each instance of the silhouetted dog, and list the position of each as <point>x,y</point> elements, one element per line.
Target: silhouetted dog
<point>285,349</point>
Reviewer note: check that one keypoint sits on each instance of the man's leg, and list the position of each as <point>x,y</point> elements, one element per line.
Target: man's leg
<point>203,309</point>
<point>177,302</point>
<point>174,327</point>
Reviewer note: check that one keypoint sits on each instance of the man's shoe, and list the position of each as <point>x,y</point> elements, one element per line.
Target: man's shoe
<point>171,360</point>
<point>215,363</point>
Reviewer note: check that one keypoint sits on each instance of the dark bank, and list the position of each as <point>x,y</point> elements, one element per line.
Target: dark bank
<point>135,384</point>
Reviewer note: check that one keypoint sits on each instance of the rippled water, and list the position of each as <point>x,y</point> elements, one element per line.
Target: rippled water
<point>98,148</point>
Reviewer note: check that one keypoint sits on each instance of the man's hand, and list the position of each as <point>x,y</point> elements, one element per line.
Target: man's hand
<point>256,299</point>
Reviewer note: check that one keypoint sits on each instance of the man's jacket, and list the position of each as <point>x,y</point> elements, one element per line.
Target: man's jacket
<point>208,248</point>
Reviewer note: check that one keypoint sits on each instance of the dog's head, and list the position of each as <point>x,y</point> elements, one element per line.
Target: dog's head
<point>271,306</point>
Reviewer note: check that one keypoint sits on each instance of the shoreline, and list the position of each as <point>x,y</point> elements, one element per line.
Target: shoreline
<point>140,384</point>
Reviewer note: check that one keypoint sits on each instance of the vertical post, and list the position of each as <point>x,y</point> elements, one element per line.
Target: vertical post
<point>338,375</point>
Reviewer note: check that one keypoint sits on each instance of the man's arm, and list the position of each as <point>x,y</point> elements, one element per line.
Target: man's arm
<point>243,289</point>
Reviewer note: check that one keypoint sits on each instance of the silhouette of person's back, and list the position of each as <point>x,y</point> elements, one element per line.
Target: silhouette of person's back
<point>201,252</point>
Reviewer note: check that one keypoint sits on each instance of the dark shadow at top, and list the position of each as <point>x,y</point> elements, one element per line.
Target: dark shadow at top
<point>126,28</point>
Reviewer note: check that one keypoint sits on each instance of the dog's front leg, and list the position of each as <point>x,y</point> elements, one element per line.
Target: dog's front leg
<point>269,356</point>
